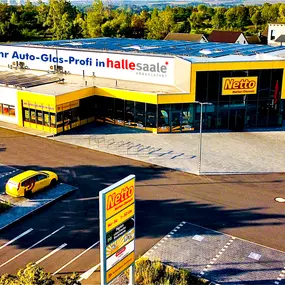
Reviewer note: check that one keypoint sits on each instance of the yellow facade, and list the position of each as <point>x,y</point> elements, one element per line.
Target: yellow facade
<point>59,103</point>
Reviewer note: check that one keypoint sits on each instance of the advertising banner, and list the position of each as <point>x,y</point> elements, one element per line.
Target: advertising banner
<point>117,228</point>
<point>239,85</point>
<point>140,68</point>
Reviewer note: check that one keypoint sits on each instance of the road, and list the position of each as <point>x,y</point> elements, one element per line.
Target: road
<point>64,235</point>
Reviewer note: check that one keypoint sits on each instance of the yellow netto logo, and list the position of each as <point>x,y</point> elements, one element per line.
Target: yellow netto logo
<point>239,85</point>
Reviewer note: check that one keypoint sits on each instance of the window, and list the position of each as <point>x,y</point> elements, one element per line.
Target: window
<point>39,117</point>
<point>46,119</point>
<point>151,115</point>
<point>40,177</point>
<point>129,112</point>
<point>5,110</point>
<point>33,116</point>
<point>272,35</point>
<point>12,111</point>
<point>140,114</point>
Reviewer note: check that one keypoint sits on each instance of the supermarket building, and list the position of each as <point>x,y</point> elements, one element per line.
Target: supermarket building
<point>147,84</point>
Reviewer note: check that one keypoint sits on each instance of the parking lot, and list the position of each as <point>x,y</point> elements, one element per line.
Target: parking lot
<point>220,258</point>
<point>238,205</point>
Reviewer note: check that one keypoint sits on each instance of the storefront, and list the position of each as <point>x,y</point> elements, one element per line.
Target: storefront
<point>150,85</point>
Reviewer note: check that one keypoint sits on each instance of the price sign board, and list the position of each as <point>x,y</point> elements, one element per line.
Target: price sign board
<point>117,228</point>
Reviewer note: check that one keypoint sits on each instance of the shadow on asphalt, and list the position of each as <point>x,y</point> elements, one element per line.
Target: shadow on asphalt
<point>154,217</point>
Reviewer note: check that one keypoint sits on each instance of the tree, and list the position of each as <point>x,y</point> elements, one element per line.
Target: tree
<point>282,12</point>
<point>218,19</point>
<point>95,19</point>
<point>256,18</point>
<point>60,19</point>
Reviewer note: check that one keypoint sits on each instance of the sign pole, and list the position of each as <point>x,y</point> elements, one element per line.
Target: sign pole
<point>117,230</point>
<point>132,275</point>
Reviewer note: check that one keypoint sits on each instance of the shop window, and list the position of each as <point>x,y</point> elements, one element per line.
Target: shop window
<point>46,119</point>
<point>129,113</point>
<point>187,120</point>
<point>110,112</point>
<point>1,108</point>
<point>39,117</point>
<point>140,114</point>
<point>119,111</point>
<point>99,111</point>
<point>33,116</point>
<point>52,120</point>
<point>75,115</point>
<point>151,115</point>
<point>176,117</point>
<point>5,110</point>
<point>163,118</point>
<point>26,115</point>
<point>12,111</point>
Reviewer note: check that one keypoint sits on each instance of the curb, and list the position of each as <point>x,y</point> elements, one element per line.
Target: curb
<point>41,206</point>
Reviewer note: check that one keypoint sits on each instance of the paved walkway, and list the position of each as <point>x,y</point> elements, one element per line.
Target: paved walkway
<point>218,257</point>
<point>222,153</point>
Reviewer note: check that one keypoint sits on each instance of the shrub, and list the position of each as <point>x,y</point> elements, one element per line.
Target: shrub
<point>156,273</point>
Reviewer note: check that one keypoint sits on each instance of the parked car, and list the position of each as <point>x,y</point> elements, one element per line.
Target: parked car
<point>28,182</point>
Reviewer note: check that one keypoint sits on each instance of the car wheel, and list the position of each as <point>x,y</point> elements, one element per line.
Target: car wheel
<point>53,183</point>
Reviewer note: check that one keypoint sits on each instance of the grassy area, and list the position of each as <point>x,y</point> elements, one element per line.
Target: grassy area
<point>4,206</point>
<point>154,272</point>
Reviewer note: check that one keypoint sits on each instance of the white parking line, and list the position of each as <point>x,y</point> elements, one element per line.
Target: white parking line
<point>51,253</point>
<point>22,252</point>
<point>14,239</point>
<point>94,244</point>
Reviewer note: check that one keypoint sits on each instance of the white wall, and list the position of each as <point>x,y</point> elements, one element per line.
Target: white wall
<point>182,74</point>
<point>274,31</point>
<point>9,96</point>
<point>242,40</point>
<point>140,68</point>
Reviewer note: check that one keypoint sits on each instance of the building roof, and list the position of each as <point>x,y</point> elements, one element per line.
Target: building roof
<point>265,32</point>
<point>253,39</point>
<point>224,36</point>
<point>191,51</point>
<point>280,39</point>
<point>184,37</point>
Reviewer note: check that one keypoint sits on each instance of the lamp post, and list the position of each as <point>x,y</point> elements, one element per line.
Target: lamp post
<point>201,125</point>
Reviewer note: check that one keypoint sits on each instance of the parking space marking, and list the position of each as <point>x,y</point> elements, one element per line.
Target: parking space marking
<point>280,277</point>
<point>213,260</point>
<point>8,173</point>
<point>38,242</point>
<point>51,253</point>
<point>76,257</point>
<point>16,238</point>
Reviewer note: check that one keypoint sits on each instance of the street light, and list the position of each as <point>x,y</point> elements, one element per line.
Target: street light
<point>201,124</point>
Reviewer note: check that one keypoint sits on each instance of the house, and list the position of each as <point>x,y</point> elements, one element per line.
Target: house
<point>275,30</point>
<point>253,39</point>
<point>186,37</point>
<point>227,37</point>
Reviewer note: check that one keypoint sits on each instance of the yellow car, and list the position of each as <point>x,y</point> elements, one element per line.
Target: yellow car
<point>28,182</point>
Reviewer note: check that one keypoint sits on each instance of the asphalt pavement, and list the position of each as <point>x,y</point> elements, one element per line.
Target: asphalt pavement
<point>238,205</point>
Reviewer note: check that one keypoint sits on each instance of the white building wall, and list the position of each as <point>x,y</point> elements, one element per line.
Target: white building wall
<point>9,96</point>
<point>123,66</point>
<point>274,31</point>
<point>241,40</point>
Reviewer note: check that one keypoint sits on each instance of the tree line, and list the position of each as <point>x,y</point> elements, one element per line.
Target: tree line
<point>59,19</point>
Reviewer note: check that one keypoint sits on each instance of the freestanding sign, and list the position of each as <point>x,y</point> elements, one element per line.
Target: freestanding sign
<point>117,229</point>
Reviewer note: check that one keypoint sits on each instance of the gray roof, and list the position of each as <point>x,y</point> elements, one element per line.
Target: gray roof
<point>156,47</point>
<point>280,39</point>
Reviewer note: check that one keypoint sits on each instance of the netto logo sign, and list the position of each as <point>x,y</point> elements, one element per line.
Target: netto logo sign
<point>239,85</point>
